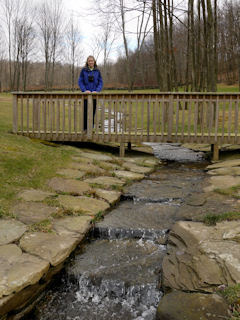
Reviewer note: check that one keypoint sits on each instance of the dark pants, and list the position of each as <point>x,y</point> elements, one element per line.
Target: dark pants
<point>86,112</point>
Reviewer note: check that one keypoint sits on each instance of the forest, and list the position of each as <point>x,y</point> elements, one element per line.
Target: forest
<point>187,45</point>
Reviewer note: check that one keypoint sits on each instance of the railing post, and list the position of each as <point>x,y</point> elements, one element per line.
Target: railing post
<point>15,114</point>
<point>90,116</point>
<point>215,151</point>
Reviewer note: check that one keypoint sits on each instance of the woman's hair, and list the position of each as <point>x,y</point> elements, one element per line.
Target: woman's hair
<point>95,63</point>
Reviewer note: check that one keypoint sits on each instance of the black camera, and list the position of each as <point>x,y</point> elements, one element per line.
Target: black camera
<point>90,78</point>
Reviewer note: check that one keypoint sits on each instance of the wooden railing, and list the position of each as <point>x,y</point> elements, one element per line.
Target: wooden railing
<point>129,118</point>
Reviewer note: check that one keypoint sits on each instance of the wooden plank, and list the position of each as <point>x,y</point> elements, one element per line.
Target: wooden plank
<point>229,118</point>
<point>189,116</point>
<point>154,104</point>
<point>195,117</point>
<point>170,118</point>
<point>58,117</point>
<point>136,116</point>
<point>45,115</point>
<point>63,117</point>
<point>39,115</point>
<point>117,115</point>
<point>236,119</point>
<point>216,119</point>
<point>75,107</point>
<point>109,117</point>
<point>177,115</point>
<point>223,117</point>
<point>27,114</point>
<point>142,115</point>
<point>130,110</point>
<point>183,115</point>
<point>15,113</point>
<point>103,117</point>
<point>97,115</point>
<point>69,117</point>
<point>202,119</point>
<point>21,113</point>
<point>148,116</point>
<point>90,117</point>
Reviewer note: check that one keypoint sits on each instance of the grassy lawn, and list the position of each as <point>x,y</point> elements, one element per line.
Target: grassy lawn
<point>24,163</point>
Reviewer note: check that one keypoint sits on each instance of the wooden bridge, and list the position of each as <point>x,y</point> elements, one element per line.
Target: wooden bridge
<point>211,118</point>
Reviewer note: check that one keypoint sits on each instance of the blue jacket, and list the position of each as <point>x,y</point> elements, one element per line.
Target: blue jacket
<point>85,84</point>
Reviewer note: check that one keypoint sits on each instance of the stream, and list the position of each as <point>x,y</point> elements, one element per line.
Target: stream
<point>116,273</point>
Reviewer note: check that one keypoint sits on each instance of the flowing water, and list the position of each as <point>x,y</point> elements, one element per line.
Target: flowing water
<point>116,273</point>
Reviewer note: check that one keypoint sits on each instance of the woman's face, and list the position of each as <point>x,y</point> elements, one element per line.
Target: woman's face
<point>90,62</point>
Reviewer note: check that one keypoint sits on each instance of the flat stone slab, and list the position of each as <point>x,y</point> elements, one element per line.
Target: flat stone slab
<point>112,197</point>
<point>108,166</point>
<point>11,231</point>
<point>143,161</point>
<point>84,205</point>
<point>136,168</point>
<point>69,186</point>
<point>48,246</point>
<point>128,175</point>
<point>222,182</point>
<point>75,227</point>
<point>96,156</point>
<point>71,173</point>
<point>224,164</point>
<point>88,168</point>
<point>158,190</point>
<point>105,181</point>
<point>179,305</point>
<point>19,270</point>
<point>35,195</point>
<point>31,212</point>
<point>196,206</point>
<point>226,171</point>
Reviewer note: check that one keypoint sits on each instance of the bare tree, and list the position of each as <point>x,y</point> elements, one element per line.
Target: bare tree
<point>10,11</point>
<point>125,12</point>
<point>73,40</point>
<point>50,28</point>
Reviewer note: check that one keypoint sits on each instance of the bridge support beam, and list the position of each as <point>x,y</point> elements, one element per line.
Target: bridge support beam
<point>122,149</point>
<point>215,151</point>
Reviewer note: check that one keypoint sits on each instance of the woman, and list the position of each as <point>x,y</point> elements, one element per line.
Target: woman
<point>90,80</point>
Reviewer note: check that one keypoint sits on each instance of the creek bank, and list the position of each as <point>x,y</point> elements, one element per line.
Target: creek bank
<point>201,259</point>
<point>27,259</point>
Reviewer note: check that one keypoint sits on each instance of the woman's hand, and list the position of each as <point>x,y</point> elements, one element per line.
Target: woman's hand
<point>87,91</point>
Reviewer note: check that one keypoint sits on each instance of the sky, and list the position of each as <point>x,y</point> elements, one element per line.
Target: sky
<point>81,9</point>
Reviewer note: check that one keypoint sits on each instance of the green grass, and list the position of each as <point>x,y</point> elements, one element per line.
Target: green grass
<point>25,163</point>
<point>232,295</point>
<point>211,219</point>
<point>232,191</point>
<point>221,87</point>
